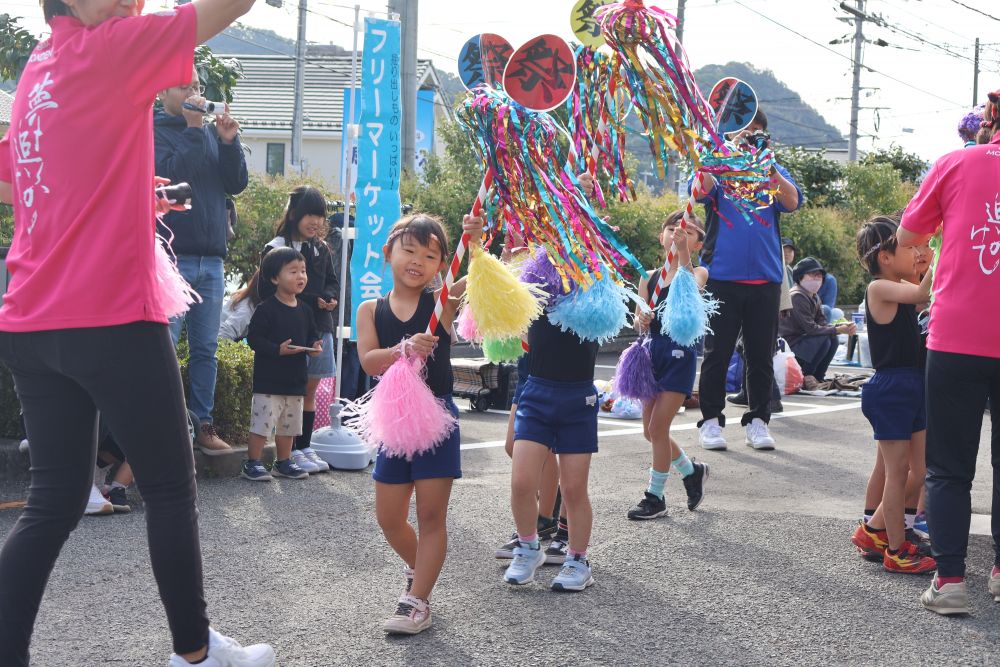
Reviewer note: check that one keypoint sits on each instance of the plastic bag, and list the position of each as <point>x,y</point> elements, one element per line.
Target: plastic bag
<point>734,376</point>
<point>787,372</point>
<point>324,397</point>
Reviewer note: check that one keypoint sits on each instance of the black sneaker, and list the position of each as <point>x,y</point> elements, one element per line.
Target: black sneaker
<point>694,484</point>
<point>547,527</point>
<point>555,553</point>
<point>923,545</point>
<point>119,500</point>
<point>650,507</point>
<point>506,551</point>
<point>738,399</point>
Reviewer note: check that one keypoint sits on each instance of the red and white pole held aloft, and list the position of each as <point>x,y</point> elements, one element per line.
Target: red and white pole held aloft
<point>456,261</point>
<point>696,191</point>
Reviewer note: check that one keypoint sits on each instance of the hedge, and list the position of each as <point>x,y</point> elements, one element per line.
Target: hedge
<point>233,393</point>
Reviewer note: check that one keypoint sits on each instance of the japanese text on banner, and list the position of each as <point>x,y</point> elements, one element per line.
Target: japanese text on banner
<point>377,186</point>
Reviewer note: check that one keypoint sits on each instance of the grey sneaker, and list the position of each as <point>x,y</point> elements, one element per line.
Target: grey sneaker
<point>995,586</point>
<point>947,600</point>
<point>574,576</point>
<point>526,561</point>
<point>506,550</point>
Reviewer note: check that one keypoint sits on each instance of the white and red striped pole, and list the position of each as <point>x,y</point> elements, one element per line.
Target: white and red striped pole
<point>696,191</point>
<point>456,261</point>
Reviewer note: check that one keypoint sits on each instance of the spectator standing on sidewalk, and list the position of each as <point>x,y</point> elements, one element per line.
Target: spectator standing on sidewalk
<point>209,158</point>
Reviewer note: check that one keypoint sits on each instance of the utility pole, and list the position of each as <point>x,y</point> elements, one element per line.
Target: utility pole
<point>859,39</point>
<point>407,10</point>
<point>975,76</point>
<point>680,20</point>
<point>300,66</point>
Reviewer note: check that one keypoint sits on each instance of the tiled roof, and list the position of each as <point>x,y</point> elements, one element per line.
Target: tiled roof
<point>263,99</point>
<point>6,106</point>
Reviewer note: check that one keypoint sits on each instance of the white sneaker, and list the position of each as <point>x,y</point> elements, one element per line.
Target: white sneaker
<point>23,447</point>
<point>224,651</point>
<point>98,504</point>
<point>758,436</point>
<point>302,461</point>
<point>321,465</point>
<point>710,435</point>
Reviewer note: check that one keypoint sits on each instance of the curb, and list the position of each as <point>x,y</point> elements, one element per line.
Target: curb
<point>14,465</point>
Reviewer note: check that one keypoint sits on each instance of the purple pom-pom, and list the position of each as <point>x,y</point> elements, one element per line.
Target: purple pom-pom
<point>538,270</point>
<point>634,375</point>
<point>970,124</point>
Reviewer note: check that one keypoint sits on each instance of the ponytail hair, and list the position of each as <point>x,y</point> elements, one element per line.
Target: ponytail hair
<point>876,235</point>
<point>991,118</point>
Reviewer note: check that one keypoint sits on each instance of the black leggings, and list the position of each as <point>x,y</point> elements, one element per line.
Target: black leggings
<point>958,386</point>
<point>63,378</point>
<point>754,310</point>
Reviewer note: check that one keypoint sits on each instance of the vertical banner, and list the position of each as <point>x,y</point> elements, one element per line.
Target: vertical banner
<point>425,129</point>
<point>379,163</point>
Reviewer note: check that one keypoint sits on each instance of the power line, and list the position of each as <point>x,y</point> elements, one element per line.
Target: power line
<point>841,55</point>
<point>973,9</point>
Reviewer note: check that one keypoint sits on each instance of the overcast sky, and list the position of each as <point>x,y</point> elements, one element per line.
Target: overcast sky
<point>718,31</point>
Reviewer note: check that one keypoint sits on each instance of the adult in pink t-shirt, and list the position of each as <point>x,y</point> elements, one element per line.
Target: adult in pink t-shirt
<point>961,195</point>
<point>83,324</point>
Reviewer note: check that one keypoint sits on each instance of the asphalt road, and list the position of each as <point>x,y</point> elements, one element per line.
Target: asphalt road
<point>762,574</point>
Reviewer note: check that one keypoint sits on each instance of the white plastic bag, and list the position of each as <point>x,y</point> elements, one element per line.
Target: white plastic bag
<point>787,372</point>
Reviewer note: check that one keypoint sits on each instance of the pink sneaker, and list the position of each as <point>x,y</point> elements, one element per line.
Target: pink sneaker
<point>412,617</point>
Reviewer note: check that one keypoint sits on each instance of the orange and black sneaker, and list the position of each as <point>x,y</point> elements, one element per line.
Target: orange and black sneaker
<point>908,560</point>
<point>871,544</point>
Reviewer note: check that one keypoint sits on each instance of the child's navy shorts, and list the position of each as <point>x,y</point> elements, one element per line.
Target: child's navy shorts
<point>522,377</point>
<point>674,366</point>
<point>560,415</point>
<point>893,401</point>
<point>445,460</point>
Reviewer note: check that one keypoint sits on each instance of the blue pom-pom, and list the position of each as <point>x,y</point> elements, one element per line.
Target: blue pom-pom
<point>634,374</point>
<point>685,313</point>
<point>597,313</point>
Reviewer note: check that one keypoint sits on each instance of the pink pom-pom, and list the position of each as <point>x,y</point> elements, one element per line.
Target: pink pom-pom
<point>175,295</point>
<point>466,325</point>
<point>401,415</point>
<point>634,375</point>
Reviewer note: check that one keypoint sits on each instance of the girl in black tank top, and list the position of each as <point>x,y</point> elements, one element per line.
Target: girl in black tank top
<point>893,398</point>
<point>417,252</point>
<point>391,330</point>
<point>674,369</point>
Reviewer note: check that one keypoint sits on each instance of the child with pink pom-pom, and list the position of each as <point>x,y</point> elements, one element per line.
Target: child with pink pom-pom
<point>417,252</point>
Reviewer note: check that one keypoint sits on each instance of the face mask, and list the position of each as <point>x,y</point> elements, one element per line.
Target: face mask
<point>811,285</point>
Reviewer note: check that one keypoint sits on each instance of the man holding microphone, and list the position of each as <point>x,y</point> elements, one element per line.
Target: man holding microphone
<point>210,158</point>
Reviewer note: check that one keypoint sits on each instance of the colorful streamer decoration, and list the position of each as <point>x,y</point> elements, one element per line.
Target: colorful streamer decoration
<point>596,111</point>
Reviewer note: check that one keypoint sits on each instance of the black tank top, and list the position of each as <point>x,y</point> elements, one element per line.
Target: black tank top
<point>896,344</point>
<point>391,330</point>
<point>654,326</point>
<point>560,356</point>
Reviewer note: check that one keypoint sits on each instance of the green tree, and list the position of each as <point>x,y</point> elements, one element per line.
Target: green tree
<point>875,189</point>
<point>16,45</point>
<point>911,167</point>
<point>218,75</point>
<point>818,176</point>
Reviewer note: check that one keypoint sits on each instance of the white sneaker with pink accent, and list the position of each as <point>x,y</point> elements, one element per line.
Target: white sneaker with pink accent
<point>412,616</point>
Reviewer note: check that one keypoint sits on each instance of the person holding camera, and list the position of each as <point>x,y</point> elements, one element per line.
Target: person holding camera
<point>209,158</point>
<point>745,271</point>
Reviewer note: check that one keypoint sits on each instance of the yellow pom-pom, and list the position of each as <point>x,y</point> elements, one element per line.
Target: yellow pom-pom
<point>504,306</point>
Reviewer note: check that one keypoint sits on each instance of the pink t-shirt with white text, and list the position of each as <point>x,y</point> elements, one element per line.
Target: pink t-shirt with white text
<point>79,153</point>
<point>962,193</point>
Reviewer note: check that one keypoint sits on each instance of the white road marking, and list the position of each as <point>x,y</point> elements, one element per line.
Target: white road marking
<point>690,426</point>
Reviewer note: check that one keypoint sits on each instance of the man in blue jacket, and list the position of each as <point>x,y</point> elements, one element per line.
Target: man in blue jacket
<point>209,158</point>
<point>746,267</point>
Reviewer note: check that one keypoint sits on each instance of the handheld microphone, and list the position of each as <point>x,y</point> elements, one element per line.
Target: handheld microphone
<point>214,108</point>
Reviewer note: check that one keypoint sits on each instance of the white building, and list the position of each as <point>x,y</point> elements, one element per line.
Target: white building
<point>263,104</point>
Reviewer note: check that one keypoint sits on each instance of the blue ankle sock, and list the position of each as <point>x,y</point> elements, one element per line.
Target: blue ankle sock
<point>683,465</point>
<point>530,541</point>
<point>657,480</point>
